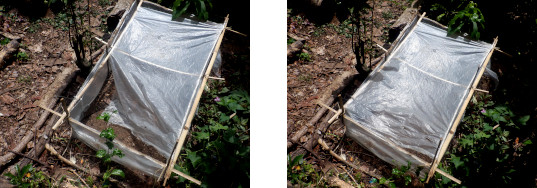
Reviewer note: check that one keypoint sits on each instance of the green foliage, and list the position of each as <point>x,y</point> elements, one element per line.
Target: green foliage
<point>219,148</point>
<point>24,79</point>
<point>290,41</point>
<point>22,56</point>
<point>105,116</point>
<point>27,176</point>
<point>199,7</point>
<point>106,155</point>
<point>300,172</point>
<point>5,41</point>
<point>485,146</point>
<point>304,57</point>
<point>470,19</point>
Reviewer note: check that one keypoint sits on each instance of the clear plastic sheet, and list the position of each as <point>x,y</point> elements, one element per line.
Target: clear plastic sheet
<point>158,66</point>
<point>406,106</point>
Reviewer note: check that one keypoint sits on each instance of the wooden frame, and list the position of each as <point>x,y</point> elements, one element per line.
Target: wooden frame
<point>180,141</point>
<point>447,139</point>
<point>445,142</point>
<point>168,167</point>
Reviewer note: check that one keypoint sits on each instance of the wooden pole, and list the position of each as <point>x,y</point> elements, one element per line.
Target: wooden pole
<point>180,141</point>
<point>448,138</point>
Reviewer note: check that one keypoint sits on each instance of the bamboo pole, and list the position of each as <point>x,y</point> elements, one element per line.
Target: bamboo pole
<point>327,107</point>
<point>448,176</point>
<point>335,116</point>
<point>180,141</point>
<point>448,138</point>
<point>77,97</point>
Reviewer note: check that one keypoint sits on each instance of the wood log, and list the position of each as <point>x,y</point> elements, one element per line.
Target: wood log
<point>403,20</point>
<point>117,12</point>
<point>7,51</point>
<point>55,89</point>
<point>336,182</point>
<point>310,123</point>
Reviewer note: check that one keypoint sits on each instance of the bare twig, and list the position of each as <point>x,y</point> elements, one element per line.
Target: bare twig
<point>74,172</point>
<point>34,159</point>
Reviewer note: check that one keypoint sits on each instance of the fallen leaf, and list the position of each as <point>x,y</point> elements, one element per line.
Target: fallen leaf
<point>7,99</point>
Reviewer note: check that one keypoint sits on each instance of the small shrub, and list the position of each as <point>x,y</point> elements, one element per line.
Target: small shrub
<point>22,56</point>
<point>304,57</point>
<point>27,176</point>
<point>199,7</point>
<point>106,155</point>
<point>5,41</point>
<point>300,172</point>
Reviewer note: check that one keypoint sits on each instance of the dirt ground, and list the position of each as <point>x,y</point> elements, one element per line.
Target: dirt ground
<point>313,81</point>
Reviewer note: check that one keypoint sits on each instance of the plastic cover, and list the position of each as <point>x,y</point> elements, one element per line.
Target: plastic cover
<point>406,106</point>
<point>158,66</point>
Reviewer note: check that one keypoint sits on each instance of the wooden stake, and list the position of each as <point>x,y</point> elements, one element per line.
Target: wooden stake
<point>448,176</point>
<point>327,107</point>
<point>335,116</point>
<point>448,138</point>
<point>335,155</point>
<point>184,132</point>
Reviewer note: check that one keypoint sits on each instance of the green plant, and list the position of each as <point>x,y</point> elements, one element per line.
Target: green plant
<point>219,147</point>
<point>290,41</point>
<point>300,172</point>
<point>27,176</point>
<point>469,19</point>
<point>304,57</point>
<point>485,146</point>
<point>24,79</point>
<point>199,7</point>
<point>5,41</point>
<point>470,15</point>
<point>22,56</point>
<point>106,155</point>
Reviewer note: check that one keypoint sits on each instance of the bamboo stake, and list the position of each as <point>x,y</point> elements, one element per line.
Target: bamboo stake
<point>180,141</point>
<point>335,155</point>
<point>448,138</point>
<point>327,107</point>
<point>448,176</point>
<point>77,97</point>
<point>335,116</point>
<point>484,91</point>
<point>229,29</point>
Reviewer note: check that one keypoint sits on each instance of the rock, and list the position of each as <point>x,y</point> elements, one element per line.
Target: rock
<point>36,48</point>
<point>318,50</point>
<point>408,15</point>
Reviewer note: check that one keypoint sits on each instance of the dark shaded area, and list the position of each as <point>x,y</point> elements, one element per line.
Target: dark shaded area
<point>328,10</point>
<point>515,24</point>
<point>238,10</point>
